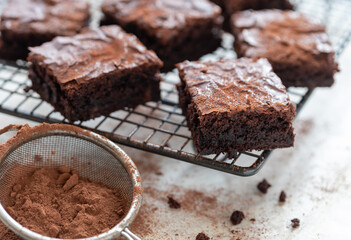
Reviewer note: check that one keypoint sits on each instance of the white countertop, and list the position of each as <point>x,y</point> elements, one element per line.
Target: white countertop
<point>315,174</point>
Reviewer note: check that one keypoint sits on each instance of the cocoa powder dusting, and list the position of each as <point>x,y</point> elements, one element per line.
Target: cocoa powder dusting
<point>7,234</point>
<point>58,203</point>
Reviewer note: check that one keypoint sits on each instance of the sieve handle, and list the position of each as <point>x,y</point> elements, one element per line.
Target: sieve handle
<point>127,234</point>
<point>11,127</point>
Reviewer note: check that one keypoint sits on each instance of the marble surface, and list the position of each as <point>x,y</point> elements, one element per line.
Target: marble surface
<point>315,174</point>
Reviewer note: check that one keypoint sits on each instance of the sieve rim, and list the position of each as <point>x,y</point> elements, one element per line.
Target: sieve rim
<point>26,133</point>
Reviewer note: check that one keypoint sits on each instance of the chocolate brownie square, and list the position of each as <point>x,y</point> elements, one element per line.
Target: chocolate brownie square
<point>235,105</point>
<point>27,23</point>
<point>232,6</point>
<point>94,73</point>
<point>297,46</point>
<point>176,30</point>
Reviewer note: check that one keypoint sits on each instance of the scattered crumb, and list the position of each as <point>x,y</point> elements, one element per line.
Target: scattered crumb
<point>295,223</point>
<point>263,186</point>
<point>27,89</point>
<point>158,173</point>
<point>253,220</point>
<point>173,203</point>
<point>202,236</point>
<point>237,217</point>
<point>282,197</point>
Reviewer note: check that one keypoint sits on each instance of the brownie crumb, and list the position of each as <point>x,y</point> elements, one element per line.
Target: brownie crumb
<point>202,236</point>
<point>158,173</point>
<point>173,203</point>
<point>237,217</point>
<point>27,89</point>
<point>253,220</point>
<point>282,197</point>
<point>295,223</point>
<point>263,186</point>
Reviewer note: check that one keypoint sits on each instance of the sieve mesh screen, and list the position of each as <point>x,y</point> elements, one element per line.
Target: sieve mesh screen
<point>91,160</point>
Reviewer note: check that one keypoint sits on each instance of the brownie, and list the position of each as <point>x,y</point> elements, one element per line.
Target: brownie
<point>235,105</point>
<point>94,73</point>
<point>27,23</point>
<point>232,6</point>
<point>176,30</point>
<point>297,46</point>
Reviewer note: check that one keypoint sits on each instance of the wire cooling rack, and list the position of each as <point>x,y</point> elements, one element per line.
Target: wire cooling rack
<point>160,127</point>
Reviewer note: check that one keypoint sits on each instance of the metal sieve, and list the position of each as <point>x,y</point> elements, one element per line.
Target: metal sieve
<point>91,155</point>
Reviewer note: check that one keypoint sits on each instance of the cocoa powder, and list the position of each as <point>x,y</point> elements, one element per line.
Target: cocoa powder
<point>7,234</point>
<point>58,203</point>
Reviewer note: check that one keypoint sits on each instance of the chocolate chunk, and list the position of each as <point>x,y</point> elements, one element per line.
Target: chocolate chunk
<point>173,203</point>
<point>263,186</point>
<point>237,217</point>
<point>295,223</point>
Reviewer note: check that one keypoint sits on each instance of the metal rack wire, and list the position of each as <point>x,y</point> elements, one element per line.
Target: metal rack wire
<point>160,127</point>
